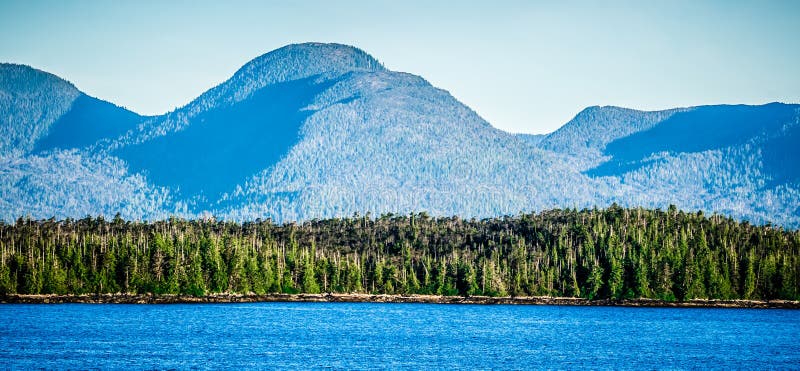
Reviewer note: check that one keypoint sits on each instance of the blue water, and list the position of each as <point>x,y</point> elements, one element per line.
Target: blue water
<point>349,335</point>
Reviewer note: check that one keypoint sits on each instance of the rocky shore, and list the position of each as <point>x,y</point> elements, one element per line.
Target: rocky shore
<point>121,298</point>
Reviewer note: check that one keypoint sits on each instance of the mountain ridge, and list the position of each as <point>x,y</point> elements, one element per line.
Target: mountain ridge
<point>320,130</point>
<point>24,90</point>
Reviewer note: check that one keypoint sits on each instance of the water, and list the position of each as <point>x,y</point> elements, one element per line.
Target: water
<point>363,335</point>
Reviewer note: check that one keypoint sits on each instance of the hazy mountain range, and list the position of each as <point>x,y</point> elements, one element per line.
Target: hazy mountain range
<point>319,130</point>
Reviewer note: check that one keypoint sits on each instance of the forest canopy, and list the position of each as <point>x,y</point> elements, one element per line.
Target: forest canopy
<point>597,254</point>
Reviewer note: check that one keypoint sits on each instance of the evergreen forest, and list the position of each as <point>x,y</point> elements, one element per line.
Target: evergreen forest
<point>612,253</point>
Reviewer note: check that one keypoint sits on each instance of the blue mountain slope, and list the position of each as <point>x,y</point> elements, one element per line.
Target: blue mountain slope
<point>72,184</point>
<point>87,121</point>
<point>700,129</point>
<point>289,63</point>
<point>390,142</point>
<point>30,101</point>
<point>241,127</point>
<point>781,154</point>
<point>594,127</point>
<point>218,149</point>
<point>532,139</point>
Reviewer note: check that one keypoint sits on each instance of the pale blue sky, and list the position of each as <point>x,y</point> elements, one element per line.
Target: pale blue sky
<point>525,66</point>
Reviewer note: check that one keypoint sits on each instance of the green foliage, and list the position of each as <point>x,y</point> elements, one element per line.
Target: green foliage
<point>614,253</point>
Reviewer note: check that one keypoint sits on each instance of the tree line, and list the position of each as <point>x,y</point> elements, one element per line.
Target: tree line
<point>596,254</point>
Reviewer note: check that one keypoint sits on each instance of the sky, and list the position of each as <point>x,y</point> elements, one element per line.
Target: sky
<point>524,66</point>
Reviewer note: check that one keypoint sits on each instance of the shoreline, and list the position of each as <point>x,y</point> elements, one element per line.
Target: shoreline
<point>383,298</point>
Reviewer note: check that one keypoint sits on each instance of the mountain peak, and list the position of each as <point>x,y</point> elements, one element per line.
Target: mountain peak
<point>289,63</point>
<point>591,111</point>
<point>596,126</point>
<point>297,61</point>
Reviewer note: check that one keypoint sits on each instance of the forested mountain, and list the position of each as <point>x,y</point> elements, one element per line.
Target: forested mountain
<point>30,101</point>
<point>322,130</point>
<point>595,127</point>
<point>734,159</point>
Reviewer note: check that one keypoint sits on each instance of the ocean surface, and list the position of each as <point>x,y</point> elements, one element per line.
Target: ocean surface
<point>365,335</point>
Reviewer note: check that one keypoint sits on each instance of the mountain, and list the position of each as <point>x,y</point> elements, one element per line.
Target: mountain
<point>319,130</point>
<point>733,159</point>
<point>324,129</point>
<point>30,101</point>
<point>594,127</point>
<point>87,121</point>
<point>711,128</point>
<point>46,165</point>
<point>244,125</point>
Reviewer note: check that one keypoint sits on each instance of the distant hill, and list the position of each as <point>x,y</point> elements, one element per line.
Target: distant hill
<point>30,101</point>
<point>595,127</point>
<point>322,130</point>
<point>733,159</point>
<point>701,129</point>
